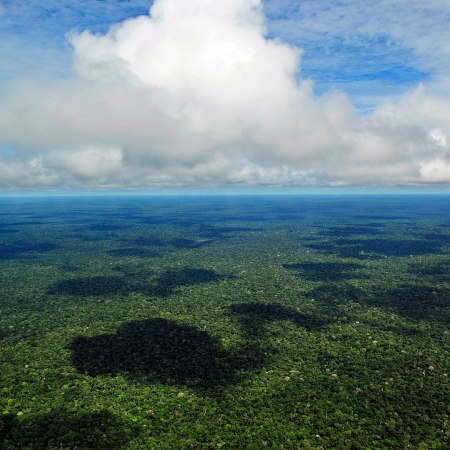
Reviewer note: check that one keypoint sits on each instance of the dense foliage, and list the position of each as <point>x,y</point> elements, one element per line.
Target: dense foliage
<point>280,322</point>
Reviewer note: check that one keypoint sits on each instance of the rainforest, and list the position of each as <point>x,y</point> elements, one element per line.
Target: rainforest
<point>208,322</point>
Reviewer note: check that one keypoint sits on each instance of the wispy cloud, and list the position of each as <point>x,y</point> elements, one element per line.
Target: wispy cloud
<point>346,42</point>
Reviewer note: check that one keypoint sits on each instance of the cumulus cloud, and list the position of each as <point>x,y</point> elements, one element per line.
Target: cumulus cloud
<point>89,162</point>
<point>196,94</point>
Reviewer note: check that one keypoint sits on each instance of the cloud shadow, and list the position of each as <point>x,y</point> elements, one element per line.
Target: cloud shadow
<point>366,248</point>
<point>23,249</point>
<point>163,285</point>
<point>439,271</point>
<point>157,350</point>
<point>66,429</point>
<point>134,252</point>
<point>324,271</point>
<point>415,302</point>
<point>254,318</point>
<point>163,350</point>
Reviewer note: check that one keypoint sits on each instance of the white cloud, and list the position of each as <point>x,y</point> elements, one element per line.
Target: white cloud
<point>438,137</point>
<point>196,94</point>
<point>89,162</point>
<point>437,171</point>
<point>29,174</point>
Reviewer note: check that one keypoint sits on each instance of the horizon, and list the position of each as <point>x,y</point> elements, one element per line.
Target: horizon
<point>228,193</point>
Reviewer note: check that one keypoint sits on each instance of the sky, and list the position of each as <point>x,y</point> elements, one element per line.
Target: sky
<point>223,94</point>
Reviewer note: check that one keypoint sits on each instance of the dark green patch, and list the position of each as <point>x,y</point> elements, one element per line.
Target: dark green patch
<point>130,252</point>
<point>66,429</point>
<point>163,285</point>
<point>157,349</point>
<point>363,248</point>
<point>325,271</point>
<point>22,249</point>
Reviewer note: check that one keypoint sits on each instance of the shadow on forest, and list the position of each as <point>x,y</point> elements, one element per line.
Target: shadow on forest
<point>337,293</point>
<point>23,249</point>
<point>255,316</point>
<point>171,279</point>
<point>443,239</point>
<point>351,230</point>
<point>94,238</point>
<point>65,429</point>
<point>325,271</point>
<point>174,243</point>
<point>181,244</point>
<point>395,216</point>
<point>134,252</point>
<point>410,301</point>
<point>156,349</point>
<point>7,228</point>
<point>364,248</point>
<point>24,223</point>
<point>415,302</point>
<point>241,218</point>
<point>163,285</point>
<point>205,234</point>
<point>95,286</point>
<point>163,350</point>
<point>439,271</point>
<point>209,231</point>
<point>146,242</point>
<point>105,226</point>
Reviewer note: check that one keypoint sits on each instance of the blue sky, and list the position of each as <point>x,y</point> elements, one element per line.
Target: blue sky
<point>367,64</point>
<point>365,55</point>
<point>283,94</point>
<point>33,32</point>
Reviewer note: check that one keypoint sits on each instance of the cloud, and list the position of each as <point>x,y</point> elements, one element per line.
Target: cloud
<point>196,94</point>
<point>89,162</point>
